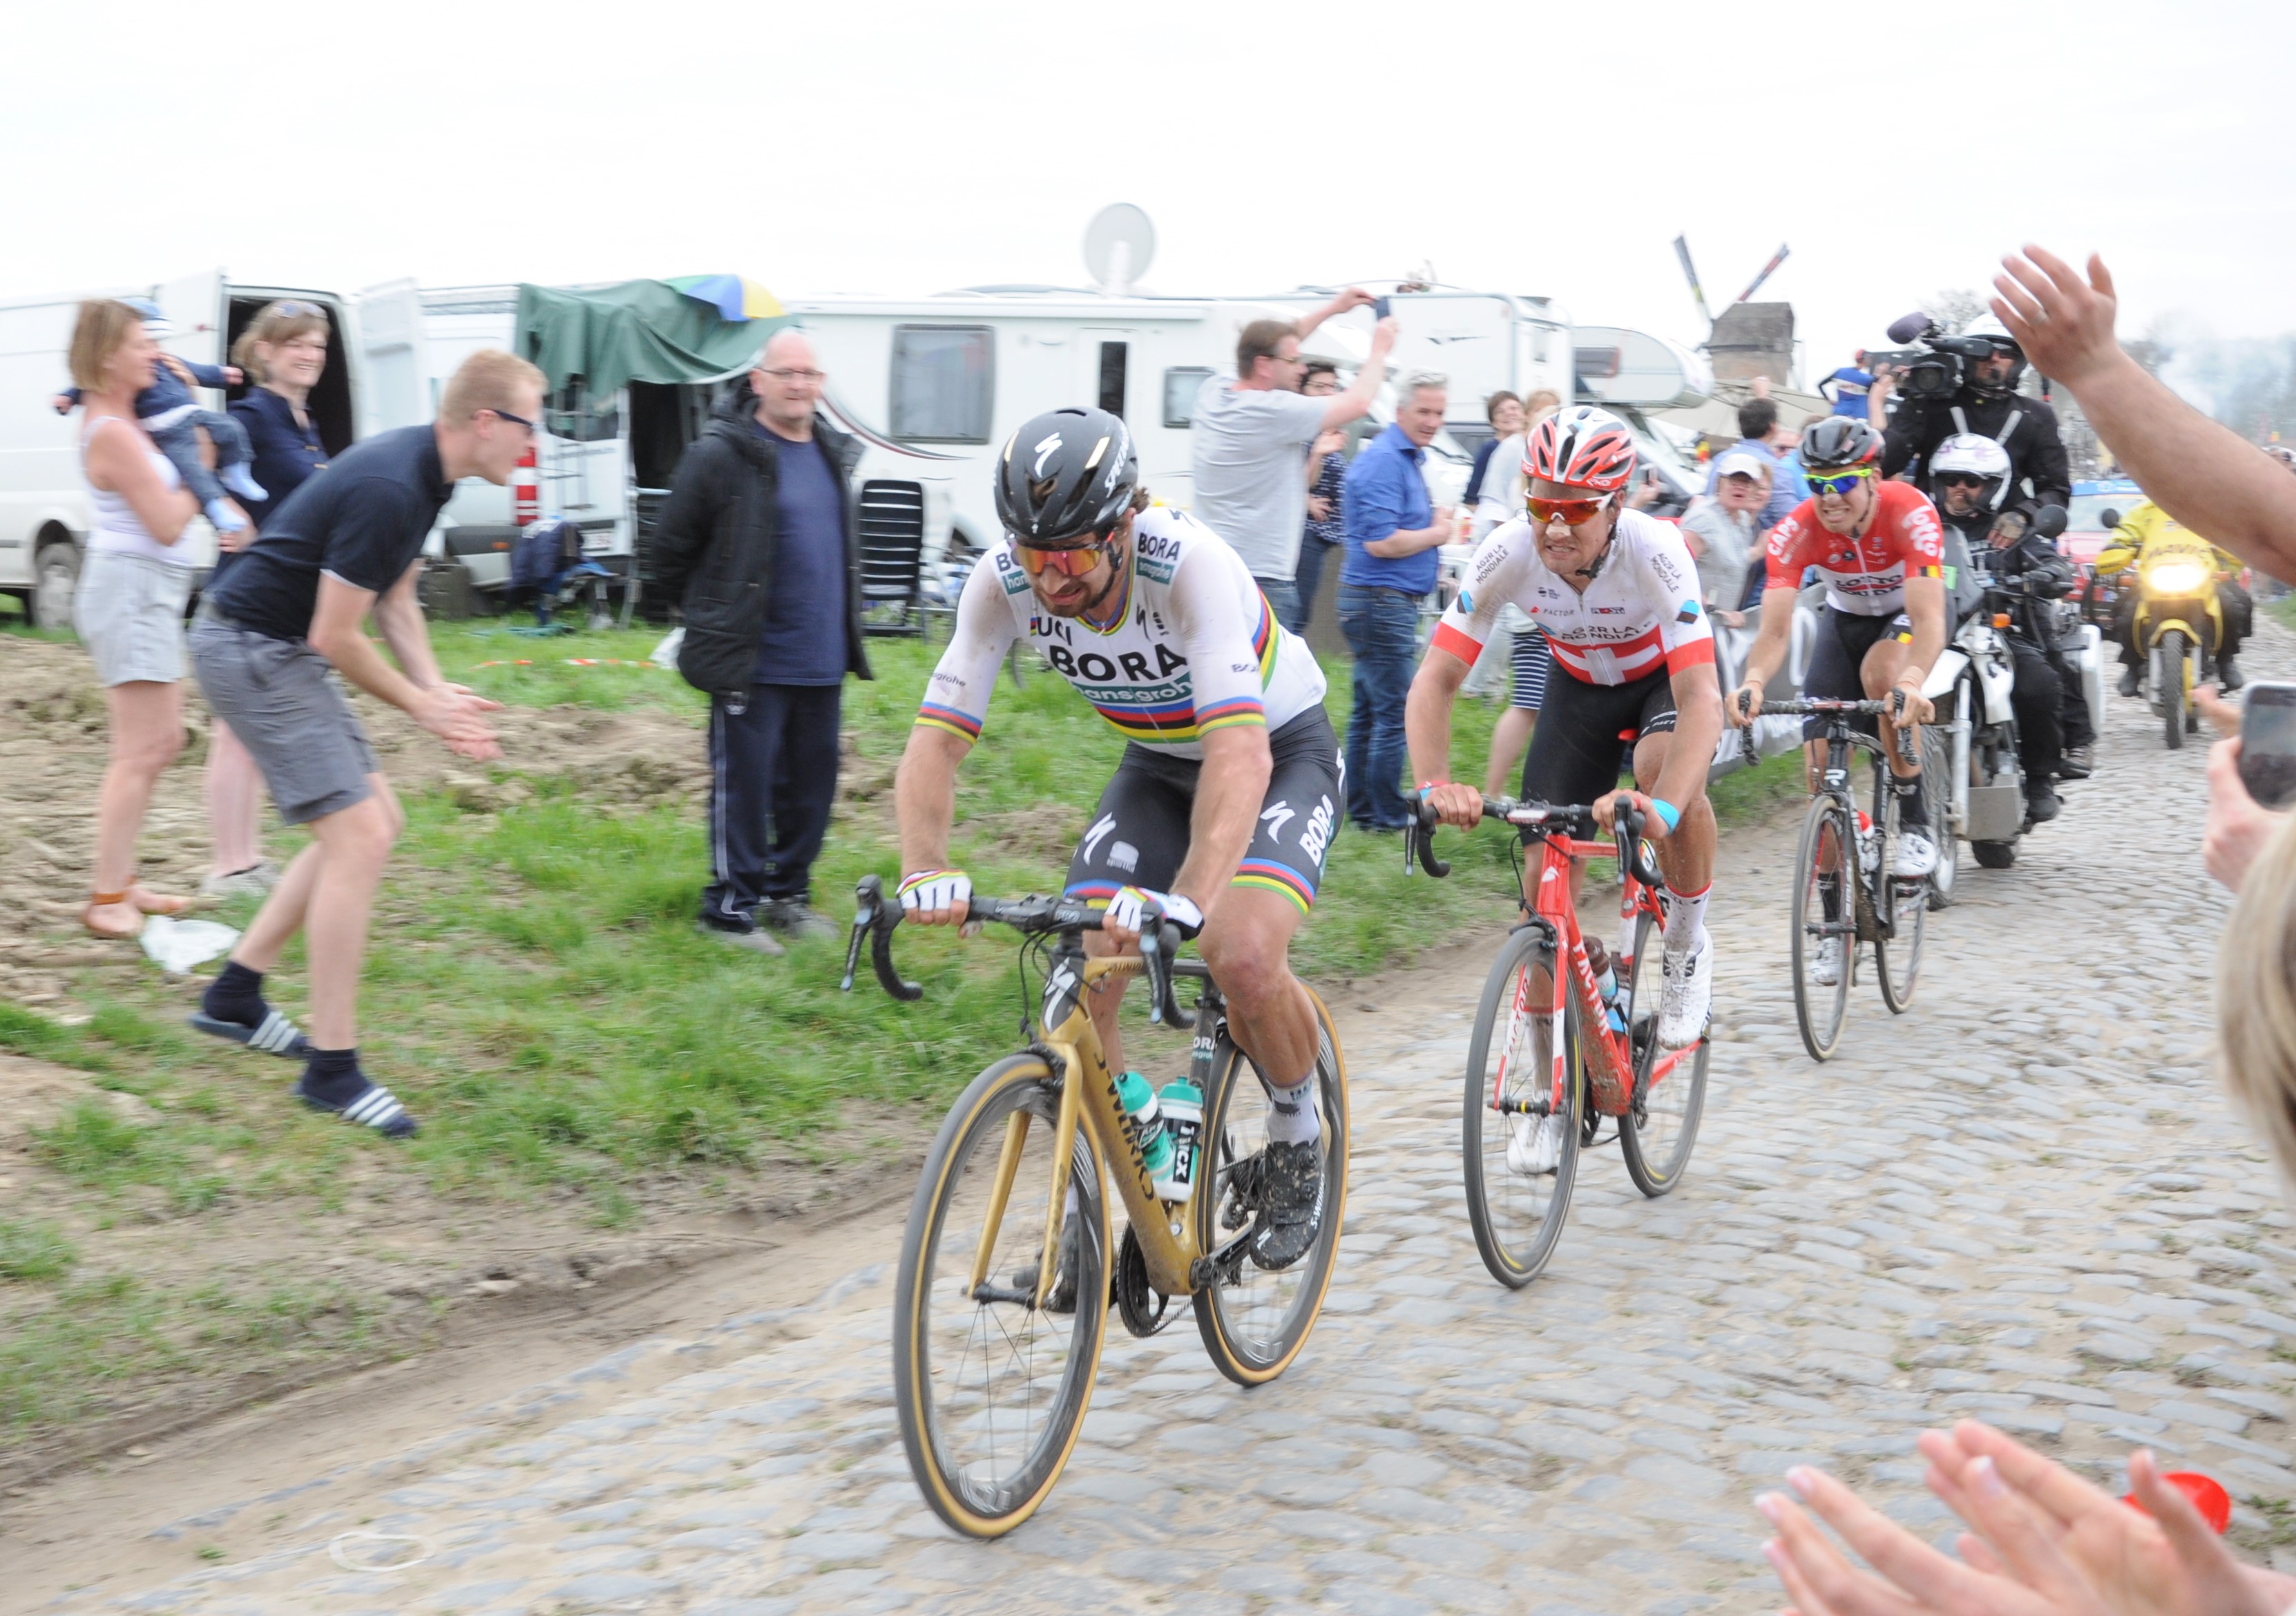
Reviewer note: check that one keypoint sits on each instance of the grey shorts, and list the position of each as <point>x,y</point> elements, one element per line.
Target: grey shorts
<point>129,611</point>
<point>284,701</point>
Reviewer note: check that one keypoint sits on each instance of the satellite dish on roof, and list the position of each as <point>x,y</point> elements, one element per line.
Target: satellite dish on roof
<point>1117,244</point>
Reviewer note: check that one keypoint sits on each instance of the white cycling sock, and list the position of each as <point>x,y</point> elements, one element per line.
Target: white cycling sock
<point>1292,1118</point>
<point>1685,919</point>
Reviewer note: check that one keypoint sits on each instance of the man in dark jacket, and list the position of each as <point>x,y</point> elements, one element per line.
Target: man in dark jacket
<point>760,538</point>
<point>1988,405</point>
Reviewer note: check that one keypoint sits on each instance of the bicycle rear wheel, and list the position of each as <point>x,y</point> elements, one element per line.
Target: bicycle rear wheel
<point>1661,1126</point>
<point>1516,1202</point>
<point>1826,866</point>
<point>990,1388</point>
<point>1254,1320</point>
<point>1898,958</point>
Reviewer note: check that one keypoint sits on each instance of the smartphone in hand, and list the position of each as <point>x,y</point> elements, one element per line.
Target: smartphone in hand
<point>1380,308</point>
<point>2267,743</point>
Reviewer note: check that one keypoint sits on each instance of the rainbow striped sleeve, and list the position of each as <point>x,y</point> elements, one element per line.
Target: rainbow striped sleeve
<point>1229,713</point>
<point>948,718</point>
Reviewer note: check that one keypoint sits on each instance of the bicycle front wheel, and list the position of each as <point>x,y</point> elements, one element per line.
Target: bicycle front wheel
<point>1661,1126</point>
<point>1254,1320</point>
<point>1897,958</point>
<point>1520,1167</point>
<point>990,1387</point>
<point>1824,873</point>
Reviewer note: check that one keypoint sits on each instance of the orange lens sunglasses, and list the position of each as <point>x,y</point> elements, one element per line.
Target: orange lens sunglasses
<point>1068,563</point>
<point>1574,513</point>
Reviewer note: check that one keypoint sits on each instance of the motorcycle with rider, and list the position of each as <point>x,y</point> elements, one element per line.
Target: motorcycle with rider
<point>1955,387</point>
<point>2180,614</point>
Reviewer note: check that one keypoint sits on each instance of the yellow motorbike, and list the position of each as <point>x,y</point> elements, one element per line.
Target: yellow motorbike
<point>2179,625</point>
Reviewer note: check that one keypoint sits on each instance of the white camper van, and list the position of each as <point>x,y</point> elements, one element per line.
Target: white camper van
<point>44,506</point>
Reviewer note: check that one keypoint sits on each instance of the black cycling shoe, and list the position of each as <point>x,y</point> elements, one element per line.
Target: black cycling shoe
<point>2079,763</point>
<point>1063,1297</point>
<point>2228,674</point>
<point>2129,678</point>
<point>1291,1203</point>
<point>2041,803</point>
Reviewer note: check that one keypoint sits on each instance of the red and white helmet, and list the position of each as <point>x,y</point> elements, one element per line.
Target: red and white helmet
<point>1580,447</point>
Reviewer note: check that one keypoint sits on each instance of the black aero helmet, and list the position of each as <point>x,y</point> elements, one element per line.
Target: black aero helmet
<point>1838,441</point>
<point>1066,477</point>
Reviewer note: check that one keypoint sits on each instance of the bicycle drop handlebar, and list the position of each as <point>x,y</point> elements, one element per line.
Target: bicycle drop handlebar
<point>1822,708</point>
<point>1575,820</point>
<point>875,916</point>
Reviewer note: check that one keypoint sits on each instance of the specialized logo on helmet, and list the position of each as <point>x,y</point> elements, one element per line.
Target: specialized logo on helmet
<point>1045,450</point>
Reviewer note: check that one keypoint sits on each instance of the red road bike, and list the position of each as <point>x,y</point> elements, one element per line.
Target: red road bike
<point>1550,1058</point>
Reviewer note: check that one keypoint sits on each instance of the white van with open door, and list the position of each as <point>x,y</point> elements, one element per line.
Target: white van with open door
<point>44,514</point>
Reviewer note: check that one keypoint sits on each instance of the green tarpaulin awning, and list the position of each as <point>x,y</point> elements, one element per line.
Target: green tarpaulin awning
<point>640,331</point>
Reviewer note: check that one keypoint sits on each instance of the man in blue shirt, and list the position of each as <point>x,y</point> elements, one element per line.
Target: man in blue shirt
<point>759,537</point>
<point>1393,530</point>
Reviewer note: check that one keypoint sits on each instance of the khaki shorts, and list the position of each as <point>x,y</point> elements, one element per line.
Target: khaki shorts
<point>129,611</point>
<point>284,701</point>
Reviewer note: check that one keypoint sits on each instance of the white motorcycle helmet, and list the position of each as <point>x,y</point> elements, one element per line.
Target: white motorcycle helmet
<point>1970,454</point>
<point>1988,326</point>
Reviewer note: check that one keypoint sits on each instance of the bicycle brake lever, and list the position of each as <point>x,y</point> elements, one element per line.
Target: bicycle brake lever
<point>868,894</point>
<point>1419,839</point>
<point>1160,946</point>
<point>881,956</point>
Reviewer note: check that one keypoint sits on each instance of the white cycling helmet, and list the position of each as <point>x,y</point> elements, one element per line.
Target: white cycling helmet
<point>1971,455</point>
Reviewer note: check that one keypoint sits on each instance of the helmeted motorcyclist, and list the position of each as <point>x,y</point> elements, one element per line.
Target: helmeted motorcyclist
<point>2144,522</point>
<point>1968,480</point>
<point>1988,405</point>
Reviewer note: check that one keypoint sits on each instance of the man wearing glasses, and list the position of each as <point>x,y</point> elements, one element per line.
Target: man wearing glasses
<point>761,539</point>
<point>1223,805</point>
<point>1880,550</point>
<point>1618,594</point>
<point>291,613</point>
<point>1250,438</point>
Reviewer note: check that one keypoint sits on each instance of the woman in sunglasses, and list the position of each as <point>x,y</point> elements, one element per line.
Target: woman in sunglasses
<point>1618,594</point>
<point>1879,551</point>
<point>1223,805</point>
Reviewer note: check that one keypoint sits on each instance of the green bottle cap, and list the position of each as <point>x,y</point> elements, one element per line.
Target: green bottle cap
<point>1184,1091</point>
<point>1134,1094</point>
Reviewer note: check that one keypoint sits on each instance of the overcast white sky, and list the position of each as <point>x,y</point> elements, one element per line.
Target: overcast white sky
<point>1531,146</point>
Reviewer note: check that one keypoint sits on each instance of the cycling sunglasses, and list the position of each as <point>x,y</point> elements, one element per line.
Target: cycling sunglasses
<point>1839,483</point>
<point>1068,563</point>
<point>1572,513</point>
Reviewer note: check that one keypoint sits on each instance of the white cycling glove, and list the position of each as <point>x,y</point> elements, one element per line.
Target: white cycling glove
<point>1128,908</point>
<point>924,890</point>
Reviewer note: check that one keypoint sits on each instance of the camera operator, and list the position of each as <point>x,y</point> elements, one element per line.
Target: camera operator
<point>1969,481</point>
<point>1968,384</point>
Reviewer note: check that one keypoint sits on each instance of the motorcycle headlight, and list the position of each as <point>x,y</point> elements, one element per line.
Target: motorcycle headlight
<point>2176,577</point>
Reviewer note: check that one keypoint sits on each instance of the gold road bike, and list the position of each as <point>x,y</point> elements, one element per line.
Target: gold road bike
<point>1006,1273</point>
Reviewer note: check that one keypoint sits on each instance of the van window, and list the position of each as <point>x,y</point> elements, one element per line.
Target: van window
<point>1182,383</point>
<point>1113,357</point>
<point>944,382</point>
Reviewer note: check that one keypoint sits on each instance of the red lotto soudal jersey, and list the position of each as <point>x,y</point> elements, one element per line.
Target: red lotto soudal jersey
<point>1865,576</point>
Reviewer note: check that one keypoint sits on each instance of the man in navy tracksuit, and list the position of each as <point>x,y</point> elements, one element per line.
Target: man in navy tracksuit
<point>761,539</point>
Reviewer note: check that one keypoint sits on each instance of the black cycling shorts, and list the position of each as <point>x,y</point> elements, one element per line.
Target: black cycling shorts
<point>1843,639</point>
<point>1586,732</point>
<point>1139,834</point>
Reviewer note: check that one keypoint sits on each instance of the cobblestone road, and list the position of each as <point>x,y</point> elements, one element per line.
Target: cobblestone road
<point>2024,1200</point>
